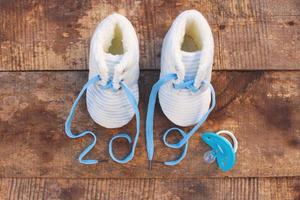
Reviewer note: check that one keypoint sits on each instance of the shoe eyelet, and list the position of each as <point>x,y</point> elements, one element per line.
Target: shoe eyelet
<point>173,85</point>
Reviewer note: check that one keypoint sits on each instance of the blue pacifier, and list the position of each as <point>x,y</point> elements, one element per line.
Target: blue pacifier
<point>222,150</point>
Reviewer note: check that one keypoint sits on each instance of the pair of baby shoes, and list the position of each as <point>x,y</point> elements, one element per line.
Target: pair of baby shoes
<point>184,90</point>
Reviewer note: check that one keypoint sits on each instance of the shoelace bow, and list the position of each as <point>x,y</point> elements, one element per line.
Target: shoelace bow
<point>185,136</point>
<point>126,136</point>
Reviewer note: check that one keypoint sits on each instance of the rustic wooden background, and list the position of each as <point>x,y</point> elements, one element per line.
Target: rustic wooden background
<point>43,65</point>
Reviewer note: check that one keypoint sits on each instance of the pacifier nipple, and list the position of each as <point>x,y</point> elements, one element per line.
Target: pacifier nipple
<point>209,157</point>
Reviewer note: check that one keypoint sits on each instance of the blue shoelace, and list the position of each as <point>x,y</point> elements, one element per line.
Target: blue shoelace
<point>185,136</point>
<point>126,136</point>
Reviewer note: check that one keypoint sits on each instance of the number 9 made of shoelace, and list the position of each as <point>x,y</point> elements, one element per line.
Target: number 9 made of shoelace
<point>183,142</point>
<point>126,136</point>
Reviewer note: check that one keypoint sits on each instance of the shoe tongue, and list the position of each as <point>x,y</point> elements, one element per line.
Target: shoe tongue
<point>191,62</point>
<point>111,62</point>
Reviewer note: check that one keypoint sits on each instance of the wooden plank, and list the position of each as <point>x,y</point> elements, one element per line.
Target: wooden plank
<point>260,107</point>
<point>51,35</point>
<point>218,188</point>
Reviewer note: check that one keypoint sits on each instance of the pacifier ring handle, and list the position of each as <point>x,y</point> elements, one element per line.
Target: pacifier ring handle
<point>232,136</point>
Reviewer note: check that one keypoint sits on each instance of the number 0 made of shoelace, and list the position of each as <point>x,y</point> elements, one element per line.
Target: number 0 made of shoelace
<point>126,136</point>
<point>183,142</point>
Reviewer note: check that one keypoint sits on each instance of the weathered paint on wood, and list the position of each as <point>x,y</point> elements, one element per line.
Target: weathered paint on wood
<point>54,35</point>
<point>88,189</point>
<point>261,108</point>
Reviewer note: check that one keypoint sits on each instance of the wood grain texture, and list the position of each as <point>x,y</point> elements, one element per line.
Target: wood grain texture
<point>54,35</point>
<point>189,189</point>
<point>261,108</point>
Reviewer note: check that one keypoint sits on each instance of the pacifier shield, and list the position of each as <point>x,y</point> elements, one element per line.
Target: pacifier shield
<point>222,149</point>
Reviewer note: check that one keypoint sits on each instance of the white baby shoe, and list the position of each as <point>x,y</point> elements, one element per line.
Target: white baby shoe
<point>114,55</point>
<point>112,90</point>
<point>184,88</point>
<point>187,51</point>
